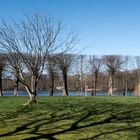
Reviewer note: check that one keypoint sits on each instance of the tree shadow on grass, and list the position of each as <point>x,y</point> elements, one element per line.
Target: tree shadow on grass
<point>134,128</point>
<point>85,117</point>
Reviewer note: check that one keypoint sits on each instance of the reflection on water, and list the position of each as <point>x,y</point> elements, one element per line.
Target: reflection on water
<point>59,93</point>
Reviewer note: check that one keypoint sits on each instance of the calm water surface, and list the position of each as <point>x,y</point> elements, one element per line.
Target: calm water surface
<point>59,93</point>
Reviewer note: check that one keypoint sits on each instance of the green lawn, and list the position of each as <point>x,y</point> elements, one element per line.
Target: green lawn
<point>70,118</point>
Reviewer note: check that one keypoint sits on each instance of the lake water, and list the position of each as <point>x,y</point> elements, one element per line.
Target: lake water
<point>59,93</point>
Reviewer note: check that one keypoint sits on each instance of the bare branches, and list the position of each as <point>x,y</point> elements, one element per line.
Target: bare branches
<point>26,45</point>
<point>113,62</point>
<point>64,62</point>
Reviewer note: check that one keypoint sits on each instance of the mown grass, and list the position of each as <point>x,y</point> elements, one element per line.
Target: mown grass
<point>70,118</point>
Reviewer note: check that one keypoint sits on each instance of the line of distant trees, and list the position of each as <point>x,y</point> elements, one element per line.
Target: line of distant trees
<point>37,54</point>
<point>108,73</point>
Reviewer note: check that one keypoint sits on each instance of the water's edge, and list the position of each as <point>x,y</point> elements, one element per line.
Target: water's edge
<point>59,93</point>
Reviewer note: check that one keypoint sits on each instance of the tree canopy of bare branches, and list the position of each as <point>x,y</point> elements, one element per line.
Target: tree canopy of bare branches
<point>52,72</point>
<point>113,63</point>
<point>31,40</point>
<point>64,62</point>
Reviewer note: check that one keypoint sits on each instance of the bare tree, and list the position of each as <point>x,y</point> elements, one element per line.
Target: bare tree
<point>64,62</point>
<point>14,64</point>
<point>113,63</point>
<point>95,64</point>
<point>32,39</point>
<point>2,65</point>
<point>52,72</point>
<point>80,67</point>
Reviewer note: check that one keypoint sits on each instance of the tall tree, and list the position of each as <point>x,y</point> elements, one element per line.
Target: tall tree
<point>52,71</point>
<point>95,64</point>
<point>113,63</point>
<point>64,62</point>
<point>32,40</point>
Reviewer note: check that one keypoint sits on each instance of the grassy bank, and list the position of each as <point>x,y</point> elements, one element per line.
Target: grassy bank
<point>70,118</point>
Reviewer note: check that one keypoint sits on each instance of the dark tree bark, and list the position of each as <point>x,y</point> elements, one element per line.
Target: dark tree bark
<point>65,89</point>
<point>51,86</point>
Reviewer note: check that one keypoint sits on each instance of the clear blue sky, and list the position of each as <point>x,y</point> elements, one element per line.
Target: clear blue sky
<point>105,26</point>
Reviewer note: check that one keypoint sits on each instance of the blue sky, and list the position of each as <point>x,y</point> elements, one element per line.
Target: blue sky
<point>105,26</point>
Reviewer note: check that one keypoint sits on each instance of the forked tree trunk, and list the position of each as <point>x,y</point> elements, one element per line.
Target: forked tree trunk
<point>32,92</point>
<point>32,98</point>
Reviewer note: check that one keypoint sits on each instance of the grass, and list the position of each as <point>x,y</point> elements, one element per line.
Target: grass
<point>70,118</point>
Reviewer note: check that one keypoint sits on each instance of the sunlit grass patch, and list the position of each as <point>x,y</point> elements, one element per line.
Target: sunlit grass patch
<point>67,118</point>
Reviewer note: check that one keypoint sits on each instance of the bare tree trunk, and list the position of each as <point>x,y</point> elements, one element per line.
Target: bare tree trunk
<point>95,84</point>
<point>16,93</point>
<point>111,85</point>
<point>32,96</point>
<point>78,84</point>
<point>32,93</point>
<point>1,94</point>
<point>34,84</point>
<point>65,89</point>
<point>32,99</point>
<point>31,90</point>
<point>95,87</point>
<point>51,87</point>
